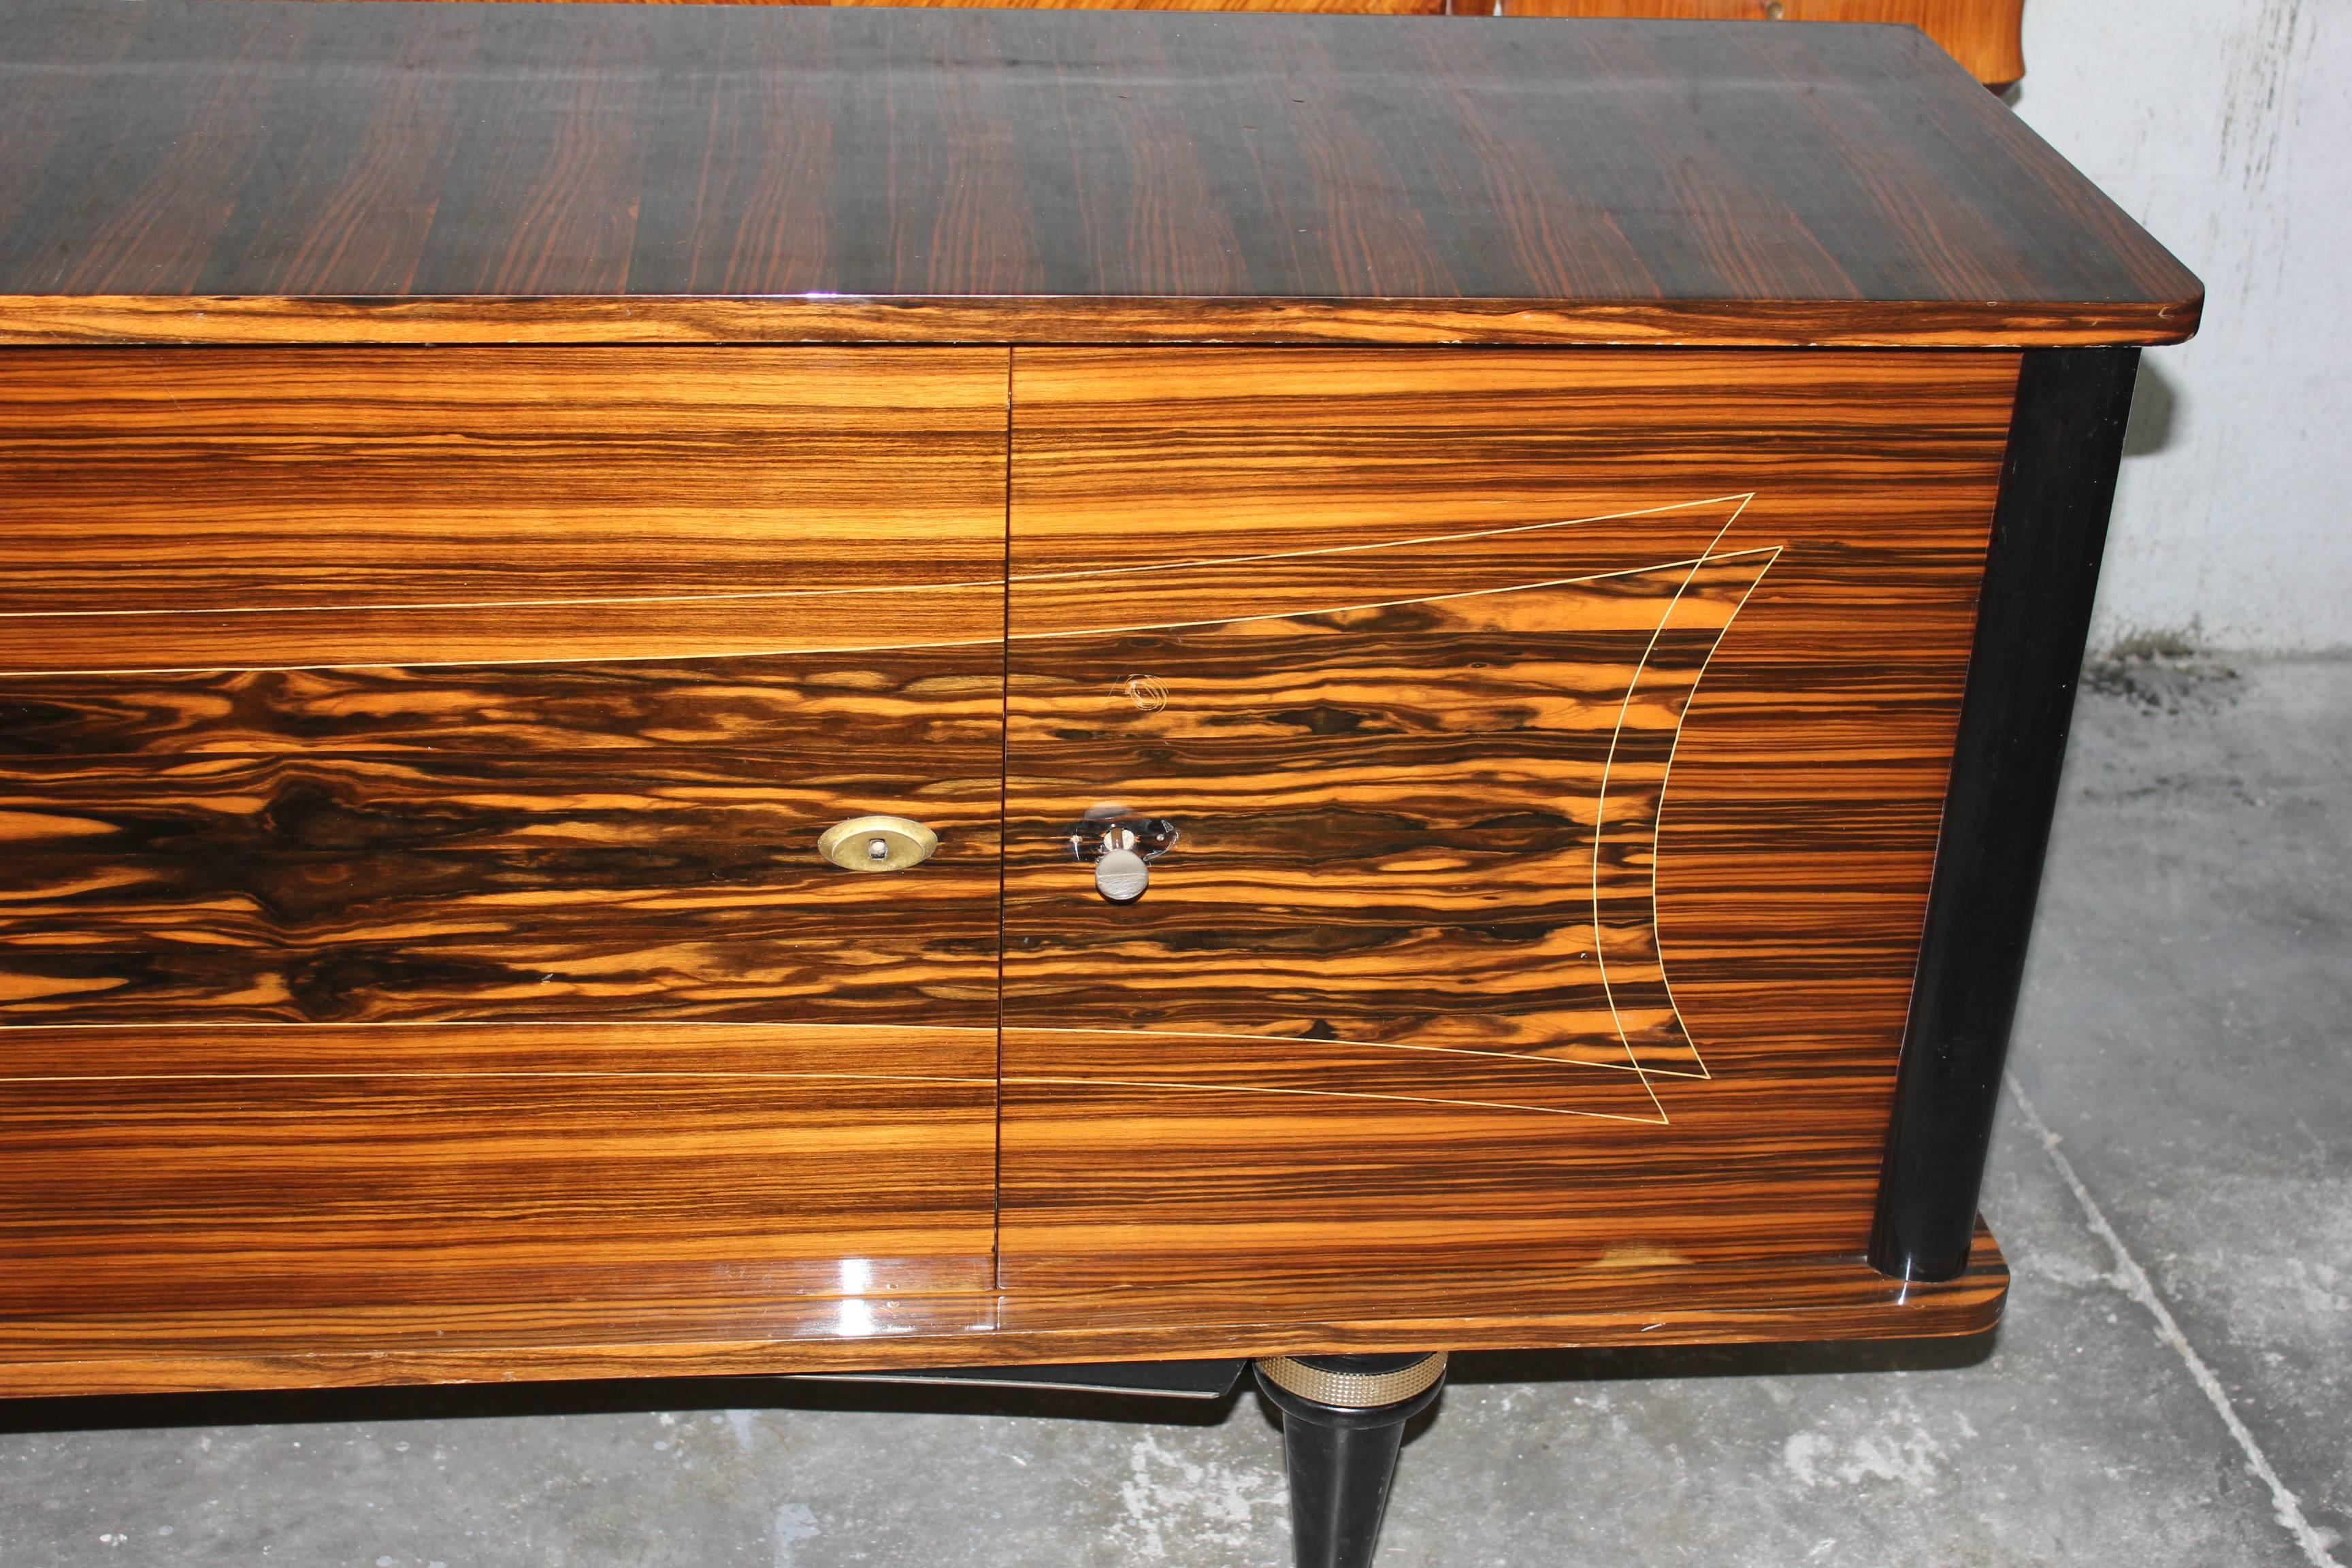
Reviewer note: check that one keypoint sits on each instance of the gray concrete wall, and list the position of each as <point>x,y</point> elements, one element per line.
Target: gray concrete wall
<point>2225,126</point>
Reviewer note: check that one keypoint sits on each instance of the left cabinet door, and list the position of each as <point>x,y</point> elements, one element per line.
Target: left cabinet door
<point>412,765</point>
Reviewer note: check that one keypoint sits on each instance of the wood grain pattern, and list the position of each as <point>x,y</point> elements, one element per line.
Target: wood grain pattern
<point>498,842</point>
<point>37,319</point>
<point>332,173</point>
<point>1399,842</point>
<point>515,990</point>
<point>1626,1300</point>
<point>1262,1172</point>
<point>308,1170</point>
<point>859,708</point>
<point>166,508</point>
<point>1455,786</point>
<point>436,927</point>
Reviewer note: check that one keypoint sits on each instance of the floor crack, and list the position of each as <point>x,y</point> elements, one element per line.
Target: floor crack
<point>2285,1505</point>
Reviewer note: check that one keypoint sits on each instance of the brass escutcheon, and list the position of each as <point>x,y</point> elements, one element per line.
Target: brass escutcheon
<point>877,844</point>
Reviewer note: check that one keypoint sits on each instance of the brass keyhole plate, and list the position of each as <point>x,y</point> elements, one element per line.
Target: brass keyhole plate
<point>877,844</point>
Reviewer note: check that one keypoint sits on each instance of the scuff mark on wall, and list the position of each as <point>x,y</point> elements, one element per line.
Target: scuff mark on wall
<point>2220,125</point>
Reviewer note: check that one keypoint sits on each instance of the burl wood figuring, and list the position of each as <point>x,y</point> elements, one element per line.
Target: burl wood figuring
<point>1530,505</point>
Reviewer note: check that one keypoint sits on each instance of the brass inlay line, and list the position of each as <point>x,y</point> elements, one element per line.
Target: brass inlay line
<point>1657,825</point>
<point>1601,801</point>
<point>1390,543</point>
<point>1657,1120</point>
<point>1537,1058</point>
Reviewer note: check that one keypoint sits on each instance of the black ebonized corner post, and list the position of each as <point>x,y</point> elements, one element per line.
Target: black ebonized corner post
<point>2050,524</point>
<point>1343,1421</point>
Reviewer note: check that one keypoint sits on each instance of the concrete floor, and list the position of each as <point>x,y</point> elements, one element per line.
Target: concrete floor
<point>2173,1385</point>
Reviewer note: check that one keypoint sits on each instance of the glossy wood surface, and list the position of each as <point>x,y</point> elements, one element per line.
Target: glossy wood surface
<point>1418,809</point>
<point>513,986</point>
<point>175,509</point>
<point>215,170</point>
<point>323,1169</point>
<point>407,903</point>
<point>470,759</point>
<point>1555,836</point>
<point>1625,1301</point>
<point>338,883</point>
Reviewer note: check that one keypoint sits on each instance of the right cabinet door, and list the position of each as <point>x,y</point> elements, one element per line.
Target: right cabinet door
<point>1551,744</point>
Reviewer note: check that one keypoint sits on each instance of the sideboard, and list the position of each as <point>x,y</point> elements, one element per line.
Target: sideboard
<point>694,690</point>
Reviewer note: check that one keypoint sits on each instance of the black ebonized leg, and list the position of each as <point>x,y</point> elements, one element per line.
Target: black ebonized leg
<point>2049,527</point>
<point>1343,1421</point>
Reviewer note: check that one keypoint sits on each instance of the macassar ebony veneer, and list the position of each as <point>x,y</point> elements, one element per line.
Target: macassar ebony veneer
<point>1568,546</point>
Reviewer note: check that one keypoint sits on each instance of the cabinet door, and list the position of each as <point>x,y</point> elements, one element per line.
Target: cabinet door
<point>411,764</point>
<point>1554,744</point>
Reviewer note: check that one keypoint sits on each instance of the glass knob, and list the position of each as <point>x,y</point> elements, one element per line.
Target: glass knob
<point>1121,875</point>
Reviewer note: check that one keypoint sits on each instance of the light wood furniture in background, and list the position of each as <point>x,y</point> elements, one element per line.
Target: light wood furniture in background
<point>1982,35</point>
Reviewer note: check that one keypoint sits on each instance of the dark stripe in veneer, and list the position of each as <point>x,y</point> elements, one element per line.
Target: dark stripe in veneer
<point>652,882</point>
<point>840,713</point>
<point>1427,823</point>
<point>1548,733</point>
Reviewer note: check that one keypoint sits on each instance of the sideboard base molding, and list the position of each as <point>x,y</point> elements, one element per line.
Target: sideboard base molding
<point>1728,1302</point>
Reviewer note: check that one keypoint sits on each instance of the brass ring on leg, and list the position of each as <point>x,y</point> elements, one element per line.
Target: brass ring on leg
<point>1351,1390</point>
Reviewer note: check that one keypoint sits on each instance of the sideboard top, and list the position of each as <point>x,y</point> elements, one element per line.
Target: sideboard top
<point>368,170</point>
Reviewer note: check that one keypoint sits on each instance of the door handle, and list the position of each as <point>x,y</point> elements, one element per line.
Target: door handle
<point>1121,844</point>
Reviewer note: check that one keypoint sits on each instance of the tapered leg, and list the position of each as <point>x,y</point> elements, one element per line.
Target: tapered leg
<point>1343,1421</point>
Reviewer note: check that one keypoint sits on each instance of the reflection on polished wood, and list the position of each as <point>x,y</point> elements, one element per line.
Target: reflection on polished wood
<point>1628,1300</point>
<point>164,508</point>
<point>407,906</point>
<point>645,883</point>
<point>1552,870</point>
<point>296,172</point>
<point>1422,819</point>
<point>1461,653</point>
<point>478,500</point>
<point>317,1170</point>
